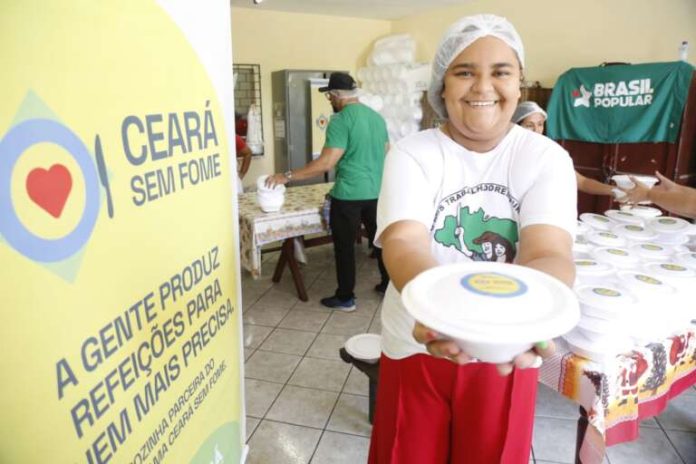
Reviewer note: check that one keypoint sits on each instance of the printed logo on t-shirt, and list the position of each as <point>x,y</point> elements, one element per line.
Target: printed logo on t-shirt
<point>478,235</point>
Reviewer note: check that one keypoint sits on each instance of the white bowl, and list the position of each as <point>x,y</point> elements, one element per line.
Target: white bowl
<point>365,347</point>
<point>601,352</point>
<point>687,259</point>
<point>598,330</point>
<point>606,302</point>
<point>261,185</point>
<point>659,313</point>
<point>624,181</point>
<point>634,232</point>
<point>624,217</point>
<point>582,229</point>
<point>604,238</point>
<point>270,202</point>
<point>672,240</point>
<point>496,353</point>
<point>597,221</point>
<point>682,277</point>
<point>581,245</point>
<point>669,225</point>
<point>620,258</point>
<point>494,311</point>
<point>651,251</point>
<point>646,212</point>
<point>592,272</point>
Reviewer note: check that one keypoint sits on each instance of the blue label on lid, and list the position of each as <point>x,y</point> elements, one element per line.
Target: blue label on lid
<point>494,284</point>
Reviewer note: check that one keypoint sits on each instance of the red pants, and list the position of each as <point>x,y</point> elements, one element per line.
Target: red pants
<point>432,411</point>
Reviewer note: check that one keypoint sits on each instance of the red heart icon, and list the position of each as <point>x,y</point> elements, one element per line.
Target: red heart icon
<point>50,188</point>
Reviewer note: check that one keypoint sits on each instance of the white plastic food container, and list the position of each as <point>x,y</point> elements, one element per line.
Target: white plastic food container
<point>581,247</point>
<point>634,232</point>
<point>583,229</point>
<point>605,301</point>
<point>592,272</point>
<point>625,182</point>
<point>598,330</point>
<point>658,314</point>
<point>269,200</point>
<point>365,347</point>
<point>494,311</point>
<point>597,221</point>
<point>620,258</point>
<point>624,217</point>
<point>669,225</point>
<point>652,251</point>
<point>680,249</point>
<point>680,276</point>
<point>603,238</point>
<point>687,259</point>
<point>672,240</point>
<point>601,352</point>
<point>646,212</point>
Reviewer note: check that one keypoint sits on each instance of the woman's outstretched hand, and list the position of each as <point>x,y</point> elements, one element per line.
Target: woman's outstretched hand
<point>442,347</point>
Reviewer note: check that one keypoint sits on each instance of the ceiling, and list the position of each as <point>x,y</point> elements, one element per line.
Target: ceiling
<point>374,9</point>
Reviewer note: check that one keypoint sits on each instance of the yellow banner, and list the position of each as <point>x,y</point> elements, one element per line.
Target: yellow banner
<point>120,336</point>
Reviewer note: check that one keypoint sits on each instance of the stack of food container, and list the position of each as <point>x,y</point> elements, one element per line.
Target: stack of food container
<point>635,280</point>
<point>634,233</point>
<point>592,272</point>
<point>657,313</point>
<point>624,217</point>
<point>646,212</point>
<point>682,278</point>
<point>603,330</point>
<point>670,231</point>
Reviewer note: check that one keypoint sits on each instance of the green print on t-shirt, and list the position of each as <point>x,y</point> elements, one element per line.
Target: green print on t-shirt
<point>480,237</point>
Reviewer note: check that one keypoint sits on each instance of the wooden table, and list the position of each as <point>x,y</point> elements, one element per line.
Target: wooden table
<point>616,396</point>
<point>300,215</point>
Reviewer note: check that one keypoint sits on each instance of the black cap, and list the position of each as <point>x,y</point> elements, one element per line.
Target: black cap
<point>339,81</point>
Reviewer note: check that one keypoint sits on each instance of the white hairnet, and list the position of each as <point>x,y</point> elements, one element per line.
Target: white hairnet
<point>525,109</point>
<point>459,36</point>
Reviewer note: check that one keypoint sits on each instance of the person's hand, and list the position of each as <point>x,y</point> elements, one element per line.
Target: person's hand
<point>276,179</point>
<point>638,193</point>
<point>619,195</point>
<point>665,185</point>
<point>441,347</point>
<point>438,346</point>
<point>531,358</point>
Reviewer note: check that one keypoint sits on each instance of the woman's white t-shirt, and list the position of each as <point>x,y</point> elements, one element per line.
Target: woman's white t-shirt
<point>473,204</point>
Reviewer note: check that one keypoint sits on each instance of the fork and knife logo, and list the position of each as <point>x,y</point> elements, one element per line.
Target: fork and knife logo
<point>103,177</point>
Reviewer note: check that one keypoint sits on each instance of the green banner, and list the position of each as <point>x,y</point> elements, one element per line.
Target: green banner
<point>620,104</point>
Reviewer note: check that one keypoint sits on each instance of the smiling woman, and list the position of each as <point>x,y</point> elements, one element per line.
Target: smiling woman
<point>477,189</point>
<point>481,90</point>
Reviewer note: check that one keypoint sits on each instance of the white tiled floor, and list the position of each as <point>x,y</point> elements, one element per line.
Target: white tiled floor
<point>304,404</point>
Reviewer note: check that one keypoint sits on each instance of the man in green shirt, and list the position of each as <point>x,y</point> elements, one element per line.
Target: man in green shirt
<point>356,142</point>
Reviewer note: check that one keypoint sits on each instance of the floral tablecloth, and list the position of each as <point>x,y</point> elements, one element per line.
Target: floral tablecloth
<point>300,215</point>
<point>617,396</point>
